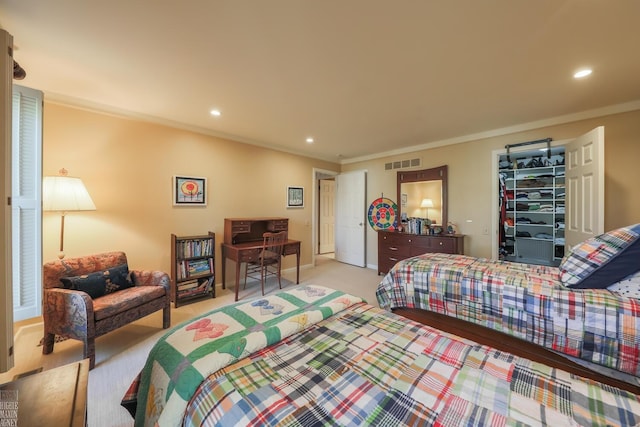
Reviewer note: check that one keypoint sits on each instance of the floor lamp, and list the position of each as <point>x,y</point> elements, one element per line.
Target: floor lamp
<point>65,194</point>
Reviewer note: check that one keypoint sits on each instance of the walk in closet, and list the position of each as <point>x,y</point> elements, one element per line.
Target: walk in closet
<point>532,206</point>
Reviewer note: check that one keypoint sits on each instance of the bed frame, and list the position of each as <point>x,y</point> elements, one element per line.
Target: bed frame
<point>511,344</point>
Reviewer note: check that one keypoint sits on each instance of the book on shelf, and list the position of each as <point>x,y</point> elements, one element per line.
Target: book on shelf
<point>194,248</point>
<point>196,287</point>
<point>198,266</point>
<point>190,284</point>
<point>194,267</point>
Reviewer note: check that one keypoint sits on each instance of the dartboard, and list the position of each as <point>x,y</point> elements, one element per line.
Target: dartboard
<point>383,214</point>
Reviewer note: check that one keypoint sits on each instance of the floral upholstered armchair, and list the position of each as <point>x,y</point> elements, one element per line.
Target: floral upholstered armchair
<point>86,297</point>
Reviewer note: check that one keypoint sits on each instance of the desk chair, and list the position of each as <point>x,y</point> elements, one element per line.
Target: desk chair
<point>269,261</point>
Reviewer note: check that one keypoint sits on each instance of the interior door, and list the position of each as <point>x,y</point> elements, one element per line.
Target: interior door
<point>326,219</point>
<point>350,216</point>
<point>584,165</point>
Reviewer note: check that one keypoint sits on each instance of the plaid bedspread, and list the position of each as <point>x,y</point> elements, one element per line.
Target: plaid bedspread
<point>366,366</point>
<point>189,352</point>
<point>527,301</point>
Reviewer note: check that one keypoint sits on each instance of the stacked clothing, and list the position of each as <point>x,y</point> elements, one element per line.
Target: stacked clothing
<point>545,236</point>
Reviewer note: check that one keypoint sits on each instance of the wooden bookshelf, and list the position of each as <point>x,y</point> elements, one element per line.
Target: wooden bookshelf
<point>193,272</point>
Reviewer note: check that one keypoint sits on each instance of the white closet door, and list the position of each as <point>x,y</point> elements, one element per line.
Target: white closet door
<point>26,203</point>
<point>584,165</point>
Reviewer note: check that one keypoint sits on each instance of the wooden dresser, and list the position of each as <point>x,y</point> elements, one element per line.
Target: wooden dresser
<point>394,246</point>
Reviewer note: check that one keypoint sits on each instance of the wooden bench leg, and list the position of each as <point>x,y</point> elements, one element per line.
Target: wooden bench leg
<point>166,317</point>
<point>90,351</point>
<point>49,341</point>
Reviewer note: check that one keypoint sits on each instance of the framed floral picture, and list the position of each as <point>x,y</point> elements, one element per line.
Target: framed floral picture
<point>189,191</point>
<point>295,197</point>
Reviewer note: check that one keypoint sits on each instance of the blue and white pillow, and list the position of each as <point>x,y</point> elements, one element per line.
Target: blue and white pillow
<point>602,260</point>
<point>628,287</point>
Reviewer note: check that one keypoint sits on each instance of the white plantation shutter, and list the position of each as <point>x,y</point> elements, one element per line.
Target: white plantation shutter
<point>26,202</point>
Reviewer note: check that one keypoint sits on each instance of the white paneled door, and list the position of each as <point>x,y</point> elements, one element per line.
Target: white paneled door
<point>327,216</point>
<point>350,218</point>
<point>584,165</point>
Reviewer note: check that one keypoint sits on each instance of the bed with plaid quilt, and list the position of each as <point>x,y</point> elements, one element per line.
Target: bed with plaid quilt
<point>349,363</point>
<point>526,301</point>
<point>191,351</point>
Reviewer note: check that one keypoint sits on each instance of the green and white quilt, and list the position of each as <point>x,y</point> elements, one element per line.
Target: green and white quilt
<point>187,354</point>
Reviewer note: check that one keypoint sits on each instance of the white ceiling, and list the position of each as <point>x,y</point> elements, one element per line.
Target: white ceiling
<point>362,77</point>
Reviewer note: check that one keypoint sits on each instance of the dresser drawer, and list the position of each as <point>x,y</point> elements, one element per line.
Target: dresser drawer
<point>442,245</point>
<point>420,242</point>
<point>396,239</point>
<point>384,265</point>
<point>390,257</point>
<point>389,249</point>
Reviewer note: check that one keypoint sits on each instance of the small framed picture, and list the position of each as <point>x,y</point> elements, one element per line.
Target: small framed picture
<point>189,191</point>
<point>295,197</point>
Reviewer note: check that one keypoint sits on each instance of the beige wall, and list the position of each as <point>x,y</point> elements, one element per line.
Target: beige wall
<point>127,166</point>
<point>471,178</point>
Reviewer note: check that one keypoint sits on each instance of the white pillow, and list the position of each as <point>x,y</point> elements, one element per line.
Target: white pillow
<point>628,287</point>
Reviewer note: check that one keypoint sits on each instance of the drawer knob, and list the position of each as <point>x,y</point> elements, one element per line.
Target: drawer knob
<point>393,248</point>
<point>393,259</point>
<point>441,243</point>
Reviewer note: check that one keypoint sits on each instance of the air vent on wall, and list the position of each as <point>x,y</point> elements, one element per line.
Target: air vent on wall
<point>401,164</point>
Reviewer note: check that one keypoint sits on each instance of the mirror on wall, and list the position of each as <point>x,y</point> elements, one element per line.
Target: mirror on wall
<point>423,194</point>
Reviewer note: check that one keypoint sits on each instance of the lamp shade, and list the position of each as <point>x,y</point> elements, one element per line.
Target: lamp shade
<point>426,203</point>
<point>65,194</point>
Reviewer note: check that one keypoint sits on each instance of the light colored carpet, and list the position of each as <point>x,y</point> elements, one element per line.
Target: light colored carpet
<point>121,354</point>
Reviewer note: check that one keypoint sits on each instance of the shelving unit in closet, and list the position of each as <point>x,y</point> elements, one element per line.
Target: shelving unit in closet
<point>534,214</point>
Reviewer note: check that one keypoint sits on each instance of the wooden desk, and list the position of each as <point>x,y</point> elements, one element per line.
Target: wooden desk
<point>249,251</point>
<point>243,241</point>
<point>56,397</point>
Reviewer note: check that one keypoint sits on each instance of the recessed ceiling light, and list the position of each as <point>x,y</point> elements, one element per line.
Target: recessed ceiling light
<point>215,113</point>
<point>309,140</point>
<point>582,73</point>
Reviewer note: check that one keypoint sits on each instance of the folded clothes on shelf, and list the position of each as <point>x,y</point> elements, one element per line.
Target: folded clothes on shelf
<point>545,236</point>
